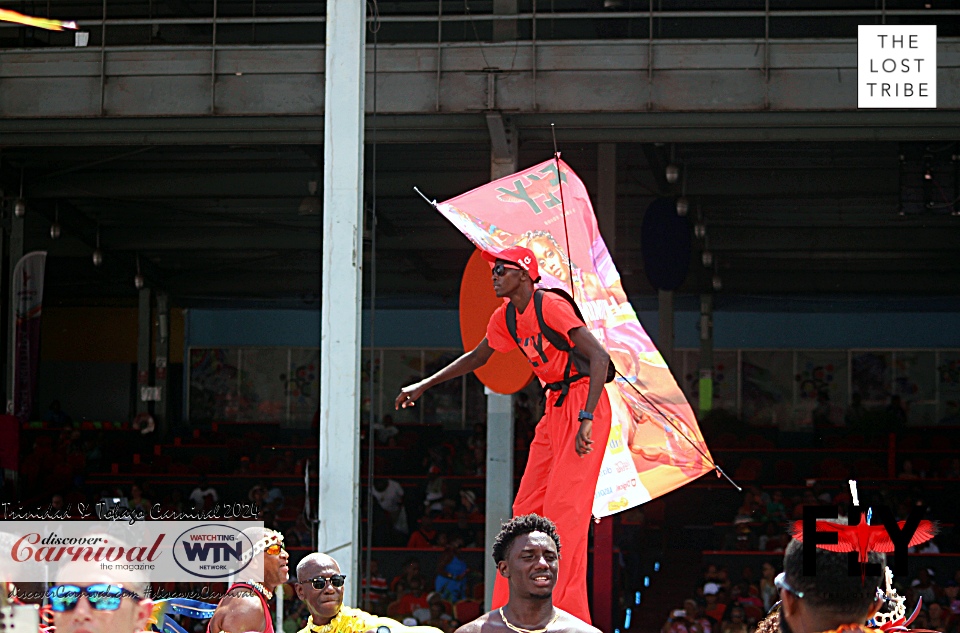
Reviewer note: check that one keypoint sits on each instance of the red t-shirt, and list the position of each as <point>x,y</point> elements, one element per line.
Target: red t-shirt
<point>557,313</point>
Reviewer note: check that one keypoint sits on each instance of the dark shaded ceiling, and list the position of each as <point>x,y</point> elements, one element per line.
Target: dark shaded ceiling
<point>214,224</point>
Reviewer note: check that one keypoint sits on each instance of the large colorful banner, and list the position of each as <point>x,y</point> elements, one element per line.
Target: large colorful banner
<point>28,294</point>
<point>655,444</point>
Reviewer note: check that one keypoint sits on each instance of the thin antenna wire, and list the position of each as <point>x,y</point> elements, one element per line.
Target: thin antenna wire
<point>368,597</point>
<point>677,429</point>
<point>563,211</point>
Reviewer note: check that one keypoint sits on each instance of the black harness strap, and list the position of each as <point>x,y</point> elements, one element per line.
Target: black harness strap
<point>575,359</point>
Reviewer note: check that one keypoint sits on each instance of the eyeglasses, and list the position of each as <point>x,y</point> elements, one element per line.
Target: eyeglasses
<point>501,269</point>
<point>320,582</point>
<point>274,550</point>
<point>102,597</point>
<point>780,582</point>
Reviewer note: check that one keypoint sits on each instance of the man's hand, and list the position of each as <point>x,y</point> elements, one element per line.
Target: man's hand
<point>584,443</point>
<point>474,359</point>
<point>408,395</point>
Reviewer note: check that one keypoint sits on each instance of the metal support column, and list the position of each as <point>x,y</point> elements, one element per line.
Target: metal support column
<point>162,407</point>
<point>665,339</point>
<point>16,252</point>
<point>706,353</point>
<point>144,332</point>
<point>607,194</point>
<point>602,606</point>
<point>499,507</point>
<point>342,259</point>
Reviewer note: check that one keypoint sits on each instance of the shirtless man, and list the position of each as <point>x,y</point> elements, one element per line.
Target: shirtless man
<point>246,605</point>
<point>527,553</point>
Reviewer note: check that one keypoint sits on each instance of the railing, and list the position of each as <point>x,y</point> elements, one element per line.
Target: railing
<point>765,22</point>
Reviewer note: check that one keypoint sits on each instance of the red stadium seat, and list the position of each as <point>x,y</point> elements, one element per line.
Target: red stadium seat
<point>785,471</point>
<point>467,610</point>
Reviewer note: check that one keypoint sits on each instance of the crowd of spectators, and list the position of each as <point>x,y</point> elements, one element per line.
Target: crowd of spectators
<point>428,495</point>
<point>719,604</point>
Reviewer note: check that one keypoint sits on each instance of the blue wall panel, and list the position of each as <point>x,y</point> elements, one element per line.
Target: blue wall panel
<point>745,330</point>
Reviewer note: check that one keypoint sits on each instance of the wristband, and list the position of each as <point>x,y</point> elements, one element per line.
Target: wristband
<point>583,415</point>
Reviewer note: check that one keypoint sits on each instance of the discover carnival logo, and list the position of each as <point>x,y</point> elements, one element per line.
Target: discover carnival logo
<point>151,551</point>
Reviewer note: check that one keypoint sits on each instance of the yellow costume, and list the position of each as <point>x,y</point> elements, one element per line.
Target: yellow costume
<point>357,621</point>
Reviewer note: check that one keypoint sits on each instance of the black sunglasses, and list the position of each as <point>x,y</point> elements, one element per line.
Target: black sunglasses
<point>102,597</point>
<point>500,269</point>
<point>320,582</point>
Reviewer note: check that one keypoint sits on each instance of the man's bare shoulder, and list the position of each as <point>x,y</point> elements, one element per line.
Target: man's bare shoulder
<point>482,624</point>
<point>239,610</point>
<point>569,623</point>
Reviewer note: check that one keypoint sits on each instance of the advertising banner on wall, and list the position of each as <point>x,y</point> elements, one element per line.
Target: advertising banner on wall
<point>28,299</point>
<point>655,444</point>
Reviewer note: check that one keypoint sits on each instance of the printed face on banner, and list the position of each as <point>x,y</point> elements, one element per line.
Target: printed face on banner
<point>654,440</point>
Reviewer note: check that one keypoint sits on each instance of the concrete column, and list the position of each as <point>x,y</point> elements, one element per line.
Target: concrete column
<point>499,504</point>
<point>162,408</point>
<point>144,332</point>
<point>339,460</point>
<point>607,194</point>
<point>706,353</point>
<point>665,339</point>
<point>16,252</point>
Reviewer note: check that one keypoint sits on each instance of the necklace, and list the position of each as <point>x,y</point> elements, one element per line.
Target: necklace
<point>346,620</point>
<point>259,587</point>
<point>329,627</point>
<point>519,629</point>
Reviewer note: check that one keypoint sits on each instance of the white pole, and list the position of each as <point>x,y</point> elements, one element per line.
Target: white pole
<point>338,502</point>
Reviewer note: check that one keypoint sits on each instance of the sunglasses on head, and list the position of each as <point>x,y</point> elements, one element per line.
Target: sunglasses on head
<point>102,597</point>
<point>320,582</point>
<point>500,269</point>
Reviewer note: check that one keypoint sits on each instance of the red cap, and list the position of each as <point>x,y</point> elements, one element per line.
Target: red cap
<point>522,257</point>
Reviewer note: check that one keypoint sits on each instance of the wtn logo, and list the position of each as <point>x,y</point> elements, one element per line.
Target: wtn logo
<point>221,551</point>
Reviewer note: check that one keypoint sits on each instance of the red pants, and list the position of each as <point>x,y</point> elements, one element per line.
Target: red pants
<point>560,485</point>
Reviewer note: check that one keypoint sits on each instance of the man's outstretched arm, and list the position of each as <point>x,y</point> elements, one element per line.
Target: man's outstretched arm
<point>472,360</point>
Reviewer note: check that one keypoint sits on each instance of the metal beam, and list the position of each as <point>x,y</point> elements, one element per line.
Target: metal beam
<point>707,76</point>
<point>210,238</point>
<point>580,127</point>
<point>778,239</point>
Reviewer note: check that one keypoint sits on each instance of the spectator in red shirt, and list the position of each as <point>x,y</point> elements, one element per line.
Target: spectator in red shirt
<point>425,535</point>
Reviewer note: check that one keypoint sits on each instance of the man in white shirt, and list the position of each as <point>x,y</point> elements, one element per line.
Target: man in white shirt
<point>204,496</point>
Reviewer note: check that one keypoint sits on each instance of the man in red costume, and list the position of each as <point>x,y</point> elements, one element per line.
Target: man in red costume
<point>562,469</point>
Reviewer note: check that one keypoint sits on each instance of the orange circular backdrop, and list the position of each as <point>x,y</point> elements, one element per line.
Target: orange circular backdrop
<point>503,373</point>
